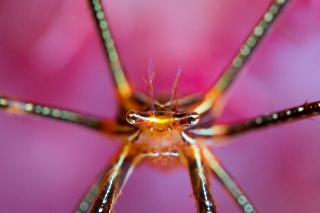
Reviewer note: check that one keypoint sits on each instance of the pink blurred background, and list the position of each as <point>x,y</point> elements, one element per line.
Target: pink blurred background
<point>50,53</point>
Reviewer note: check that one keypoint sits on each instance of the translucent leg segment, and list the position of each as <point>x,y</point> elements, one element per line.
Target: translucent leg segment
<point>85,203</point>
<point>19,107</point>
<point>121,82</point>
<point>229,184</point>
<point>230,74</point>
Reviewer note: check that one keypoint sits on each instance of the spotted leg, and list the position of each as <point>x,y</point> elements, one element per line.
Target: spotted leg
<point>227,181</point>
<point>244,53</point>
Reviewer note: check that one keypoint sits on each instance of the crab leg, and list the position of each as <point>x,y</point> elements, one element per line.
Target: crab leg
<point>18,106</point>
<point>304,111</point>
<point>91,194</point>
<point>230,74</point>
<point>116,178</point>
<point>128,98</point>
<point>105,125</point>
<point>229,184</point>
<point>199,180</point>
<point>124,89</point>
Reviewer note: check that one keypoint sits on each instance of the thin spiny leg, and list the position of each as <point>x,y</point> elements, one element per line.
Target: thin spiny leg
<point>304,111</point>
<point>116,178</point>
<point>240,198</point>
<point>230,74</point>
<point>123,87</point>
<point>199,180</point>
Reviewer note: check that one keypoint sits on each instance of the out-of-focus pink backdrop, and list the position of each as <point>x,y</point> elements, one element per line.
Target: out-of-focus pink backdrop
<point>50,53</point>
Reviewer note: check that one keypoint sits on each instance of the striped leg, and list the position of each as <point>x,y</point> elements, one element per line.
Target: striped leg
<point>116,178</point>
<point>199,180</point>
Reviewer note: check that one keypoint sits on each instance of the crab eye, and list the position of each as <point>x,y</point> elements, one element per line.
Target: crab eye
<point>132,117</point>
<point>193,118</point>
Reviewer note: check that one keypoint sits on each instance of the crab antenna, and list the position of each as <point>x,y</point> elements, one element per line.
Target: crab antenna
<point>174,89</point>
<point>151,74</point>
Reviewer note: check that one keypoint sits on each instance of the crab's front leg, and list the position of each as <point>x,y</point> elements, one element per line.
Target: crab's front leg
<point>199,180</point>
<point>116,177</point>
